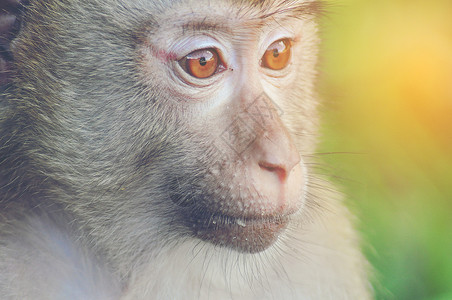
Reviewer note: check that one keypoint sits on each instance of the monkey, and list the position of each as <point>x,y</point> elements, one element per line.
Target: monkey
<point>166,150</point>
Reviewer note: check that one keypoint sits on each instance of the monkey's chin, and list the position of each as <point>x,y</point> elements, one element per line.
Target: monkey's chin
<point>241,234</point>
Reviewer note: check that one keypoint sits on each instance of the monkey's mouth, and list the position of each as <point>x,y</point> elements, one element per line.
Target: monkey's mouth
<point>248,235</point>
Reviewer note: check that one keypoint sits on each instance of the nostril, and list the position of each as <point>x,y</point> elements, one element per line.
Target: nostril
<point>276,169</point>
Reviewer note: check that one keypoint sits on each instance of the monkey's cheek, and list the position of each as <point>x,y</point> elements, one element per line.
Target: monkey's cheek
<point>247,236</point>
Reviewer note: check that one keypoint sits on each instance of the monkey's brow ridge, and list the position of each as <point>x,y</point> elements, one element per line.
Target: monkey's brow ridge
<point>204,25</point>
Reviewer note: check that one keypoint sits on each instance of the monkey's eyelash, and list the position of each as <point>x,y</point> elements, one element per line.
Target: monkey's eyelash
<point>203,63</point>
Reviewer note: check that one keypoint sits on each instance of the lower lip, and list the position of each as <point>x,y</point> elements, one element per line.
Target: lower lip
<point>243,235</point>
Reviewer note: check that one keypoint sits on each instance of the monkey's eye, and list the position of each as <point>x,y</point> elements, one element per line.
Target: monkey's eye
<point>277,55</point>
<point>202,63</point>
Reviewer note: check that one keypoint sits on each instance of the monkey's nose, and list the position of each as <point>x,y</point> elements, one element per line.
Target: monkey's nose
<point>279,184</point>
<point>277,154</point>
<point>277,173</point>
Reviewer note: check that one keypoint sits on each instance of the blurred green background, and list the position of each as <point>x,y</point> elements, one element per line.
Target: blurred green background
<point>387,89</point>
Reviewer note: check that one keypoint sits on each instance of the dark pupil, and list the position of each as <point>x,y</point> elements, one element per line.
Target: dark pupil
<point>202,61</point>
<point>275,53</point>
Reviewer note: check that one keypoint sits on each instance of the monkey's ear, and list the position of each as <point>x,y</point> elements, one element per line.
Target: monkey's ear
<point>10,17</point>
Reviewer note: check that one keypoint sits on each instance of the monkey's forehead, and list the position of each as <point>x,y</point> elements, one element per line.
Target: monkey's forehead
<point>247,9</point>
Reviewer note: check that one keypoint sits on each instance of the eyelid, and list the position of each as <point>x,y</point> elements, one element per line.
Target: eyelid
<point>187,45</point>
<point>274,36</point>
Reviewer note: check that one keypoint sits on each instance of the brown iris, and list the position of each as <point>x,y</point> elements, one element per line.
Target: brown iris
<point>201,63</point>
<point>277,55</point>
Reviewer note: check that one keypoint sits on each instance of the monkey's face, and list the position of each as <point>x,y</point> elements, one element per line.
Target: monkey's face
<point>196,119</point>
<point>232,81</point>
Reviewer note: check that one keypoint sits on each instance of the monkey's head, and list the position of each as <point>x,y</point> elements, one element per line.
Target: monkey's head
<point>192,117</point>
